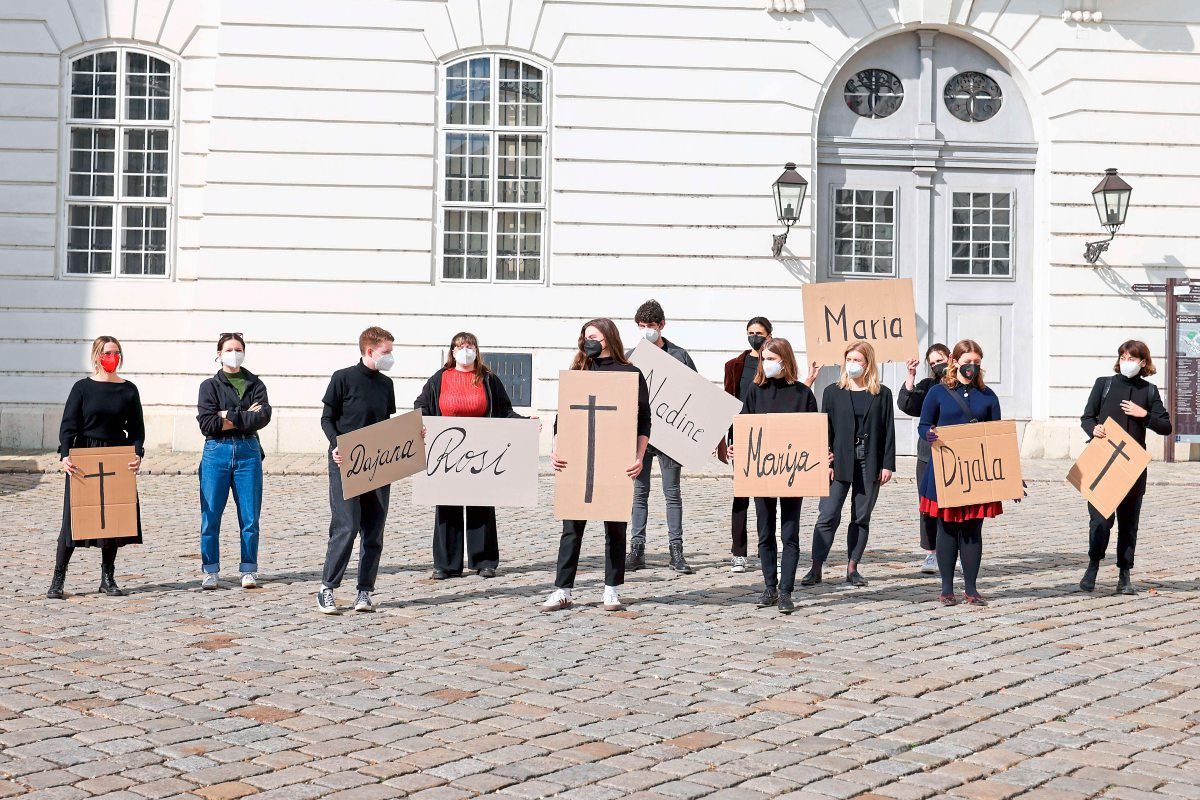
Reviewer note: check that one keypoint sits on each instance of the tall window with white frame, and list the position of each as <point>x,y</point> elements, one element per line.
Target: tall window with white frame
<point>120,136</point>
<point>493,170</point>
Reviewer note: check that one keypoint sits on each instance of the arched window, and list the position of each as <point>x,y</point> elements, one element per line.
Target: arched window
<point>493,187</point>
<point>120,138</point>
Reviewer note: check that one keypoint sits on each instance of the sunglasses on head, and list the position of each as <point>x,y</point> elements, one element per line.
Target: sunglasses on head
<point>238,334</point>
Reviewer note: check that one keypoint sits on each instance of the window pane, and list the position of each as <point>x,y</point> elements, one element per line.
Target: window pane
<point>147,87</point>
<point>92,162</point>
<point>465,244</point>
<point>867,245</point>
<point>518,245</point>
<point>94,86</point>
<point>144,240</point>
<point>982,247</point>
<point>89,239</point>
<point>146,158</point>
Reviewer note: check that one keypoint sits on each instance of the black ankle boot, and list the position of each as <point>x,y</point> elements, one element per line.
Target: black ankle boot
<point>637,556</point>
<point>1123,585</point>
<point>55,592</point>
<point>1088,582</point>
<point>812,577</point>
<point>108,584</point>
<point>677,561</point>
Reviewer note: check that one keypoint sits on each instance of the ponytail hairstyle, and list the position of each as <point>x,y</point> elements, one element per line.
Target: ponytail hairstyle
<point>480,369</point>
<point>950,379</point>
<point>612,338</point>
<point>783,349</point>
<point>98,350</point>
<point>870,375</point>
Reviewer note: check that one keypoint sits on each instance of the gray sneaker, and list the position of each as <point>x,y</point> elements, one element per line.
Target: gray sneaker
<point>210,581</point>
<point>930,565</point>
<point>739,564</point>
<point>363,602</point>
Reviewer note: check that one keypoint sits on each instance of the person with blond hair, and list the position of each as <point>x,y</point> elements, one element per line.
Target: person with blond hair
<point>102,410</point>
<point>777,389</point>
<point>862,440</point>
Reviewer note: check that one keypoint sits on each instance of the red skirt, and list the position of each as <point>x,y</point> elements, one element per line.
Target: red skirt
<point>962,513</point>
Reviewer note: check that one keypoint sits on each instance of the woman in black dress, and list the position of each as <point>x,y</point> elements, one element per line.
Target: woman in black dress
<point>103,410</point>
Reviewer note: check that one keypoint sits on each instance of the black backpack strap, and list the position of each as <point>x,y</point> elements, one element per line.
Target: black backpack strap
<point>1107,386</point>
<point>962,404</point>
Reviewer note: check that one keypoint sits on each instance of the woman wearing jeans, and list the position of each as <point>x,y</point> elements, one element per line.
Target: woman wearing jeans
<point>232,408</point>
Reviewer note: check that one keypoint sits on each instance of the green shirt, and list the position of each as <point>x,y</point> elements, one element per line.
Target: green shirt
<point>238,381</point>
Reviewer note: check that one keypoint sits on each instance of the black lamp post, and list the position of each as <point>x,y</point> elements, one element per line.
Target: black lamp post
<point>789,192</point>
<point>1112,203</point>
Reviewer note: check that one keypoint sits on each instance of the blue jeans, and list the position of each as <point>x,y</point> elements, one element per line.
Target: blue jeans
<point>230,464</point>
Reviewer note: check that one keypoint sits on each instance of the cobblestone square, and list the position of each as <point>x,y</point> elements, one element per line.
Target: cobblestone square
<point>461,688</point>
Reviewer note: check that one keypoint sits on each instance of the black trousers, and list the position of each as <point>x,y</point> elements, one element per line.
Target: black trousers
<point>789,517</point>
<point>483,543</point>
<point>108,556</point>
<point>571,543</point>
<point>929,525</point>
<point>863,491</point>
<point>741,510</point>
<point>361,518</point>
<point>1127,517</point>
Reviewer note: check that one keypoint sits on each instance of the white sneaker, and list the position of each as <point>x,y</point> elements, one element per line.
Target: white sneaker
<point>612,601</point>
<point>249,580</point>
<point>558,600</point>
<point>739,564</point>
<point>210,581</point>
<point>930,565</point>
<point>363,602</point>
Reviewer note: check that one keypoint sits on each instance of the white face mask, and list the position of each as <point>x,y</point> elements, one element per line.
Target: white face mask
<point>233,358</point>
<point>650,335</point>
<point>464,356</point>
<point>385,362</point>
<point>1131,369</point>
<point>772,369</point>
<point>854,369</point>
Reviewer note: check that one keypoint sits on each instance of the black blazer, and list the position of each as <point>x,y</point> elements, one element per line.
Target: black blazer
<point>217,394</point>
<point>878,426</point>
<point>498,402</point>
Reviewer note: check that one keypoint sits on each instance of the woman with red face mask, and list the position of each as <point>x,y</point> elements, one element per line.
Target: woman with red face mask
<point>103,410</point>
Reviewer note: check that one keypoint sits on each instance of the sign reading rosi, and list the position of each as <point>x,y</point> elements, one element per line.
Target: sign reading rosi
<point>380,454</point>
<point>597,437</point>
<point>1108,468</point>
<point>977,463</point>
<point>780,455</point>
<point>879,312</point>
<point>690,414</point>
<point>490,462</point>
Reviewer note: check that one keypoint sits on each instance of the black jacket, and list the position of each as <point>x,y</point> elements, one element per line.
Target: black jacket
<point>498,402</point>
<point>879,427</point>
<point>217,394</point>
<point>1105,401</point>
<point>910,403</point>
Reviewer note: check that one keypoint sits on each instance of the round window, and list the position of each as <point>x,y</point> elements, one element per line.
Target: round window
<point>874,93</point>
<point>973,97</point>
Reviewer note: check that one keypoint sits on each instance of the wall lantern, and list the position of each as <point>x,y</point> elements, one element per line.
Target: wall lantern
<point>1112,203</point>
<point>789,191</point>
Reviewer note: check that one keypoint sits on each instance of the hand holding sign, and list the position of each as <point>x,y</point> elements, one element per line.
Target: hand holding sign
<point>1108,468</point>
<point>979,462</point>
<point>377,455</point>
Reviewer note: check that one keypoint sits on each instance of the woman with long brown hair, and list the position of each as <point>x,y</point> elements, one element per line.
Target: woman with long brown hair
<point>102,410</point>
<point>599,348</point>
<point>961,397</point>
<point>465,387</point>
<point>862,439</point>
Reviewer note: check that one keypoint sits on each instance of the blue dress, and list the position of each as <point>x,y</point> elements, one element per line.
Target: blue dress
<point>940,408</point>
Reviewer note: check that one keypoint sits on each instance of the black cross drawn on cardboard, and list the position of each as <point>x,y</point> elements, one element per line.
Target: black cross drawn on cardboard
<point>591,408</point>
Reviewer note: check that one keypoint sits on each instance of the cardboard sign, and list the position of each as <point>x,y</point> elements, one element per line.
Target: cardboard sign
<point>597,437</point>
<point>478,461</point>
<point>780,455</point>
<point>690,414</point>
<point>104,498</point>
<point>380,454</point>
<point>879,312</point>
<point>979,462</point>
<point>1108,468</point>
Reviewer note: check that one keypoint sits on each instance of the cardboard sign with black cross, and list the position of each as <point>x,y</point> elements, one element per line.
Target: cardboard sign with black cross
<point>104,495</point>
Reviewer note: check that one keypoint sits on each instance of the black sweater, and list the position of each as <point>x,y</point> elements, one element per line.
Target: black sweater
<point>878,426</point>
<point>776,396</point>
<point>217,394</point>
<point>611,365</point>
<point>1105,401</point>
<point>356,397</point>
<point>498,402</point>
<point>103,411</point>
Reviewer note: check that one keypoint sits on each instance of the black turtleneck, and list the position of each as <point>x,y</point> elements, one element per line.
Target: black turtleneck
<point>357,397</point>
<point>776,396</point>
<point>610,364</point>
<point>1105,401</point>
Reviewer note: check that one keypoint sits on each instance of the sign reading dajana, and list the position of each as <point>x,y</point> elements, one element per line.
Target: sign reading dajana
<point>597,437</point>
<point>490,462</point>
<point>979,462</point>
<point>1108,468</point>
<point>104,497</point>
<point>780,455</point>
<point>380,454</point>
<point>879,312</point>
<point>690,414</point>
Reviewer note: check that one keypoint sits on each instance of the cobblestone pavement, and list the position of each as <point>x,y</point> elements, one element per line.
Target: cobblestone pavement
<point>460,688</point>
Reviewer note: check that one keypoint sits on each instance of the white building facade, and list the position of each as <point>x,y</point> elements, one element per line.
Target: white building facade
<point>297,170</point>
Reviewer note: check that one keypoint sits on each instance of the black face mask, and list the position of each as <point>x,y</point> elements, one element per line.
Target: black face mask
<point>756,341</point>
<point>592,348</point>
<point>968,371</point>
<point>939,370</point>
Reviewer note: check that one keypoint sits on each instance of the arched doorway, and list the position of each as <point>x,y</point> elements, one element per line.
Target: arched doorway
<point>925,170</point>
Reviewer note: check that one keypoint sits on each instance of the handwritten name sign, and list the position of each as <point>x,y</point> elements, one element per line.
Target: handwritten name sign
<point>597,437</point>
<point>690,413</point>
<point>380,454</point>
<point>780,455</point>
<point>977,463</point>
<point>1108,468</point>
<point>880,312</point>
<point>104,497</point>
<point>478,461</point>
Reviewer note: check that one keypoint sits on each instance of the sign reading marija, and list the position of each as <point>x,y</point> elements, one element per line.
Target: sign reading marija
<point>979,462</point>
<point>879,312</point>
<point>780,455</point>
<point>380,454</point>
